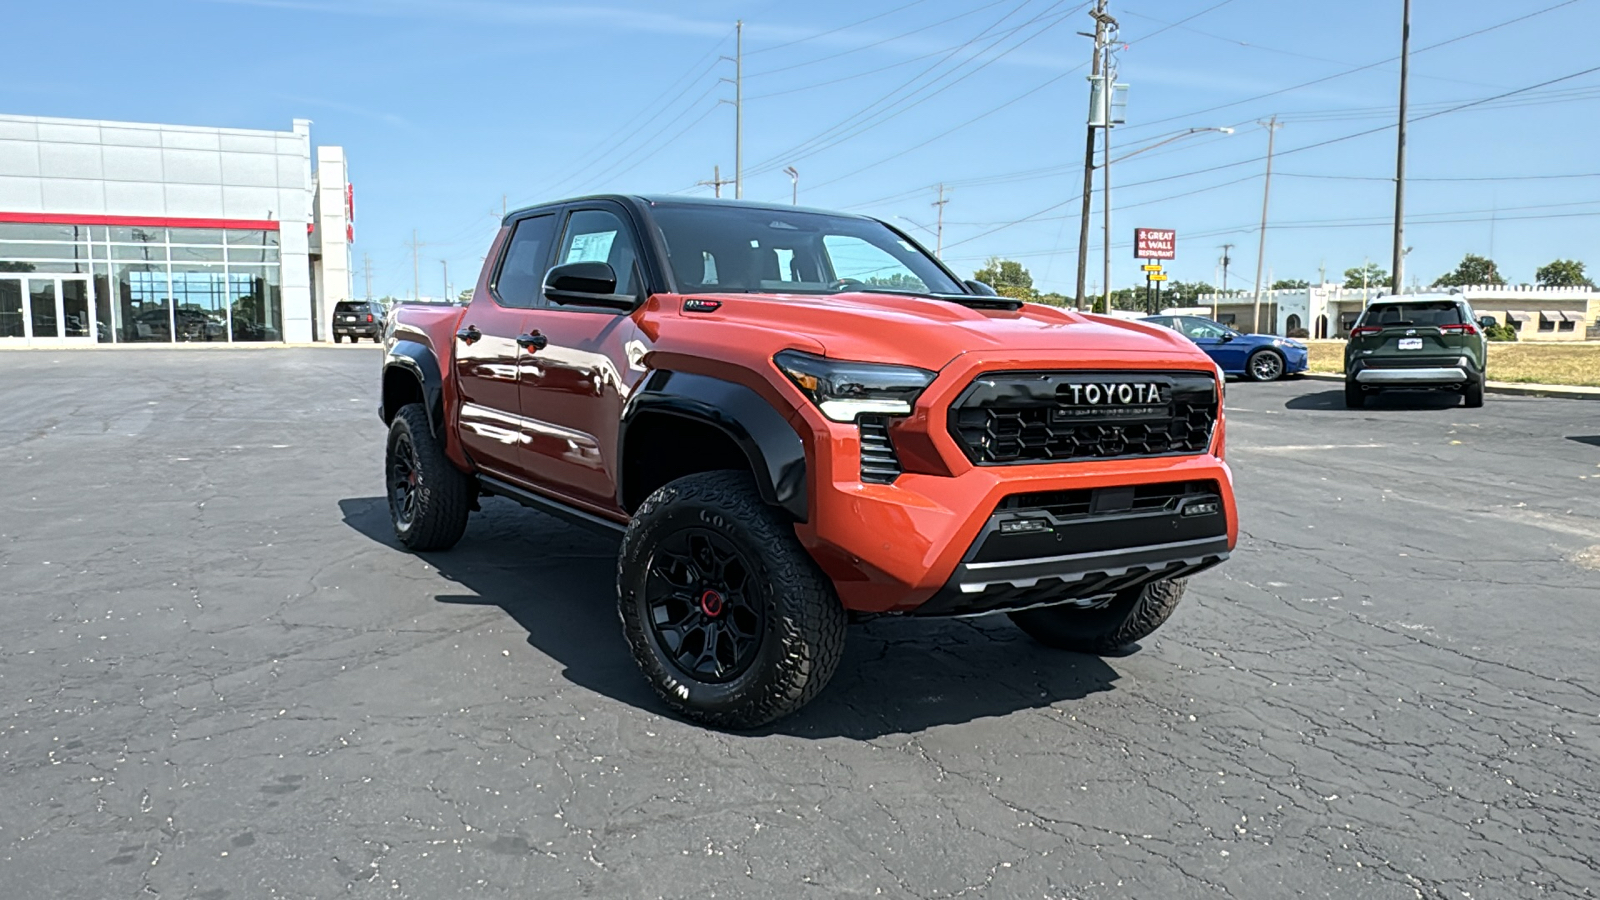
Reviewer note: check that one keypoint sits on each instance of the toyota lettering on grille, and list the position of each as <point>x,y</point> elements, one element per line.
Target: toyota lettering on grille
<point>1115,399</point>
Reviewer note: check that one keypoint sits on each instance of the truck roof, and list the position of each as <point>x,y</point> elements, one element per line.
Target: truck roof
<point>680,200</point>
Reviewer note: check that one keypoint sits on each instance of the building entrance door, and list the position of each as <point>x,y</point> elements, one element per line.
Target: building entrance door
<point>46,310</point>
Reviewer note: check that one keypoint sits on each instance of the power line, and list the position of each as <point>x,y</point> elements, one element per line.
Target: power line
<point>1387,178</point>
<point>856,118</point>
<point>822,34</point>
<point>1373,65</point>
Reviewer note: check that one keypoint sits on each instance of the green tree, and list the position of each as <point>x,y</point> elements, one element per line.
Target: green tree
<point>1008,278</point>
<point>1474,269</point>
<point>1179,293</point>
<point>1054,299</point>
<point>1375,276</point>
<point>1562,273</point>
<point>464,297</point>
<point>1290,284</point>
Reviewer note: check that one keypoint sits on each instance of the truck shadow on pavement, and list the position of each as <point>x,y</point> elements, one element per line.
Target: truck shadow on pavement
<point>898,675</point>
<point>1412,400</point>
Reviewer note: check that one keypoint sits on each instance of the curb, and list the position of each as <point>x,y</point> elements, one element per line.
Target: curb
<point>1562,391</point>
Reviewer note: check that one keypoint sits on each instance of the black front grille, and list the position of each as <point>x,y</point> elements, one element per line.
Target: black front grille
<point>1029,417</point>
<point>879,465</point>
<point>1163,497</point>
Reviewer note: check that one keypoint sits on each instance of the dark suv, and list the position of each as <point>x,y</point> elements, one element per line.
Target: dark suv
<point>355,319</point>
<point>1422,341</point>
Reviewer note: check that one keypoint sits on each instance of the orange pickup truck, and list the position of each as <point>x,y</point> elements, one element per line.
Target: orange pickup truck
<point>796,418</point>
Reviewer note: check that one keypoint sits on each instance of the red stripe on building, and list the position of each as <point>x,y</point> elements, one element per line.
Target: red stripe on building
<point>142,221</point>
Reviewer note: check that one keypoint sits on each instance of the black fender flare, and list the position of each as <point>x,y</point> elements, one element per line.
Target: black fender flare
<point>776,454</point>
<point>418,360</point>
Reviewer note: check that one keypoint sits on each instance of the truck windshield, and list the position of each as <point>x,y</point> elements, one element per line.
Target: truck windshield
<point>748,250</point>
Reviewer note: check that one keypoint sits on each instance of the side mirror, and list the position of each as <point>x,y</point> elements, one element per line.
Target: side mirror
<point>981,289</point>
<point>586,284</point>
<point>1486,322</point>
<point>1227,336</point>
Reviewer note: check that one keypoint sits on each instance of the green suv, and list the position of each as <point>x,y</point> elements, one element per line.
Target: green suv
<point>1421,341</point>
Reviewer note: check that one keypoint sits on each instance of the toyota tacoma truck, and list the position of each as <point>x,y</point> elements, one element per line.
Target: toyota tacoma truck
<point>795,419</point>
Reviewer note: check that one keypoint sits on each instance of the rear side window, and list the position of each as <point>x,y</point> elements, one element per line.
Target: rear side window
<point>522,273</point>
<point>1398,315</point>
<point>345,306</point>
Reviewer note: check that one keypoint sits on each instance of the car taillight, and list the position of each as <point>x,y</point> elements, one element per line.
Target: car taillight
<point>369,317</point>
<point>1364,330</point>
<point>1459,328</point>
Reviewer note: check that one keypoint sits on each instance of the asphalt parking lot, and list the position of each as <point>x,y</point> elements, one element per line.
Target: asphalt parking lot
<point>219,678</point>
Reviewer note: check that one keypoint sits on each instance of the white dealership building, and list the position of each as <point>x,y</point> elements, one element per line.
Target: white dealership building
<point>121,232</point>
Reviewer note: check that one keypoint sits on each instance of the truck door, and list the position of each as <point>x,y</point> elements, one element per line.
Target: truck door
<point>575,379</point>
<point>488,355</point>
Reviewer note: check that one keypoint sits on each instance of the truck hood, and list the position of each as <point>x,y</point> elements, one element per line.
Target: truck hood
<point>929,333</point>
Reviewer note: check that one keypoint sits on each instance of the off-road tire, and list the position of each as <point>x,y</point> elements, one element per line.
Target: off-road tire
<point>1130,616</point>
<point>1354,396</point>
<point>338,339</point>
<point>1472,394</point>
<point>443,493</point>
<point>803,631</point>
<point>1250,366</point>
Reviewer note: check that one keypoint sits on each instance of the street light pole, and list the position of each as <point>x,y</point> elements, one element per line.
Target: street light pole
<point>1107,77</point>
<point>794,183</point>
<point>1261,248</point>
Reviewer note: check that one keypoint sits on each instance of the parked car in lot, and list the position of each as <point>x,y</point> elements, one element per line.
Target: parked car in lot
<point>793,417</point>
<point>1258,357</point>
<point>356,319</point>
<point>1431,341</point>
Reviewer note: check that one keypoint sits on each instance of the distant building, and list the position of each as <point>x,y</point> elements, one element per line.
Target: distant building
<point>1329,310</point>
<point>119,232</point>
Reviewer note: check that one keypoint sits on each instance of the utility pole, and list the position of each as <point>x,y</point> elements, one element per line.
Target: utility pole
<point>502,206</point>
<point>794,184</point>
<point>446,266</point>
<point>1400,156</point>
<point>366,264</point>
<point>416,271</point>
<point>1101,20</point>
<point>738,108</point>
<point>1226,261</point>
<point>716,181</point>
<point>1261,249</point>
<point>1106,78</point>
<point>938,233</point>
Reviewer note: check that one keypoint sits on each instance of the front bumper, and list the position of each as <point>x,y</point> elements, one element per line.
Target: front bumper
<point>915,543</point>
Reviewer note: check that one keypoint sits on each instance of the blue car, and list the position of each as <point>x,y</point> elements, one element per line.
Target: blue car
<point>1258,357</point>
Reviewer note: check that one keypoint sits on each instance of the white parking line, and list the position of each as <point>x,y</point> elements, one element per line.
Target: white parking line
<point>1296,448</point>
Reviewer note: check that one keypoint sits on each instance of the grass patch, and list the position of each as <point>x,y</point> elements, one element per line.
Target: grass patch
<point>1527,363</point>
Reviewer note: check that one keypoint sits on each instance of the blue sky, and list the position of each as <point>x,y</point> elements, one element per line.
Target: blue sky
<point>445,106</point>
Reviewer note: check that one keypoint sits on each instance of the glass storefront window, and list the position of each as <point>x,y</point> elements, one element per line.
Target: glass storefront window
<point>252,255</point>
<point>199,303</point>
<point>138,234</point>
<point>11,308</point>
<point>197,254</point>
<point>102,304</point>
<point>196,235</point>
<point>244,237</point>
<point>256,303</point>
<point>144,313</point>
<point>15,231</point>
<point>42,266</point>
<point>15,250</point>
<point>151,253</point>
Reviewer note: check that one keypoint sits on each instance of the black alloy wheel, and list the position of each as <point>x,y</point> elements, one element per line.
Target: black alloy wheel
<point>404,469</point>
<point>701,601</point>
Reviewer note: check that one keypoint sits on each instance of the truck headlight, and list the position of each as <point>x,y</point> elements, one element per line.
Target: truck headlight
<point>844,390</point>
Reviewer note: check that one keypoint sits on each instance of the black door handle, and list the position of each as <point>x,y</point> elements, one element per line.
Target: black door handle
<point>533,341</point>
<point>469,335</point>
